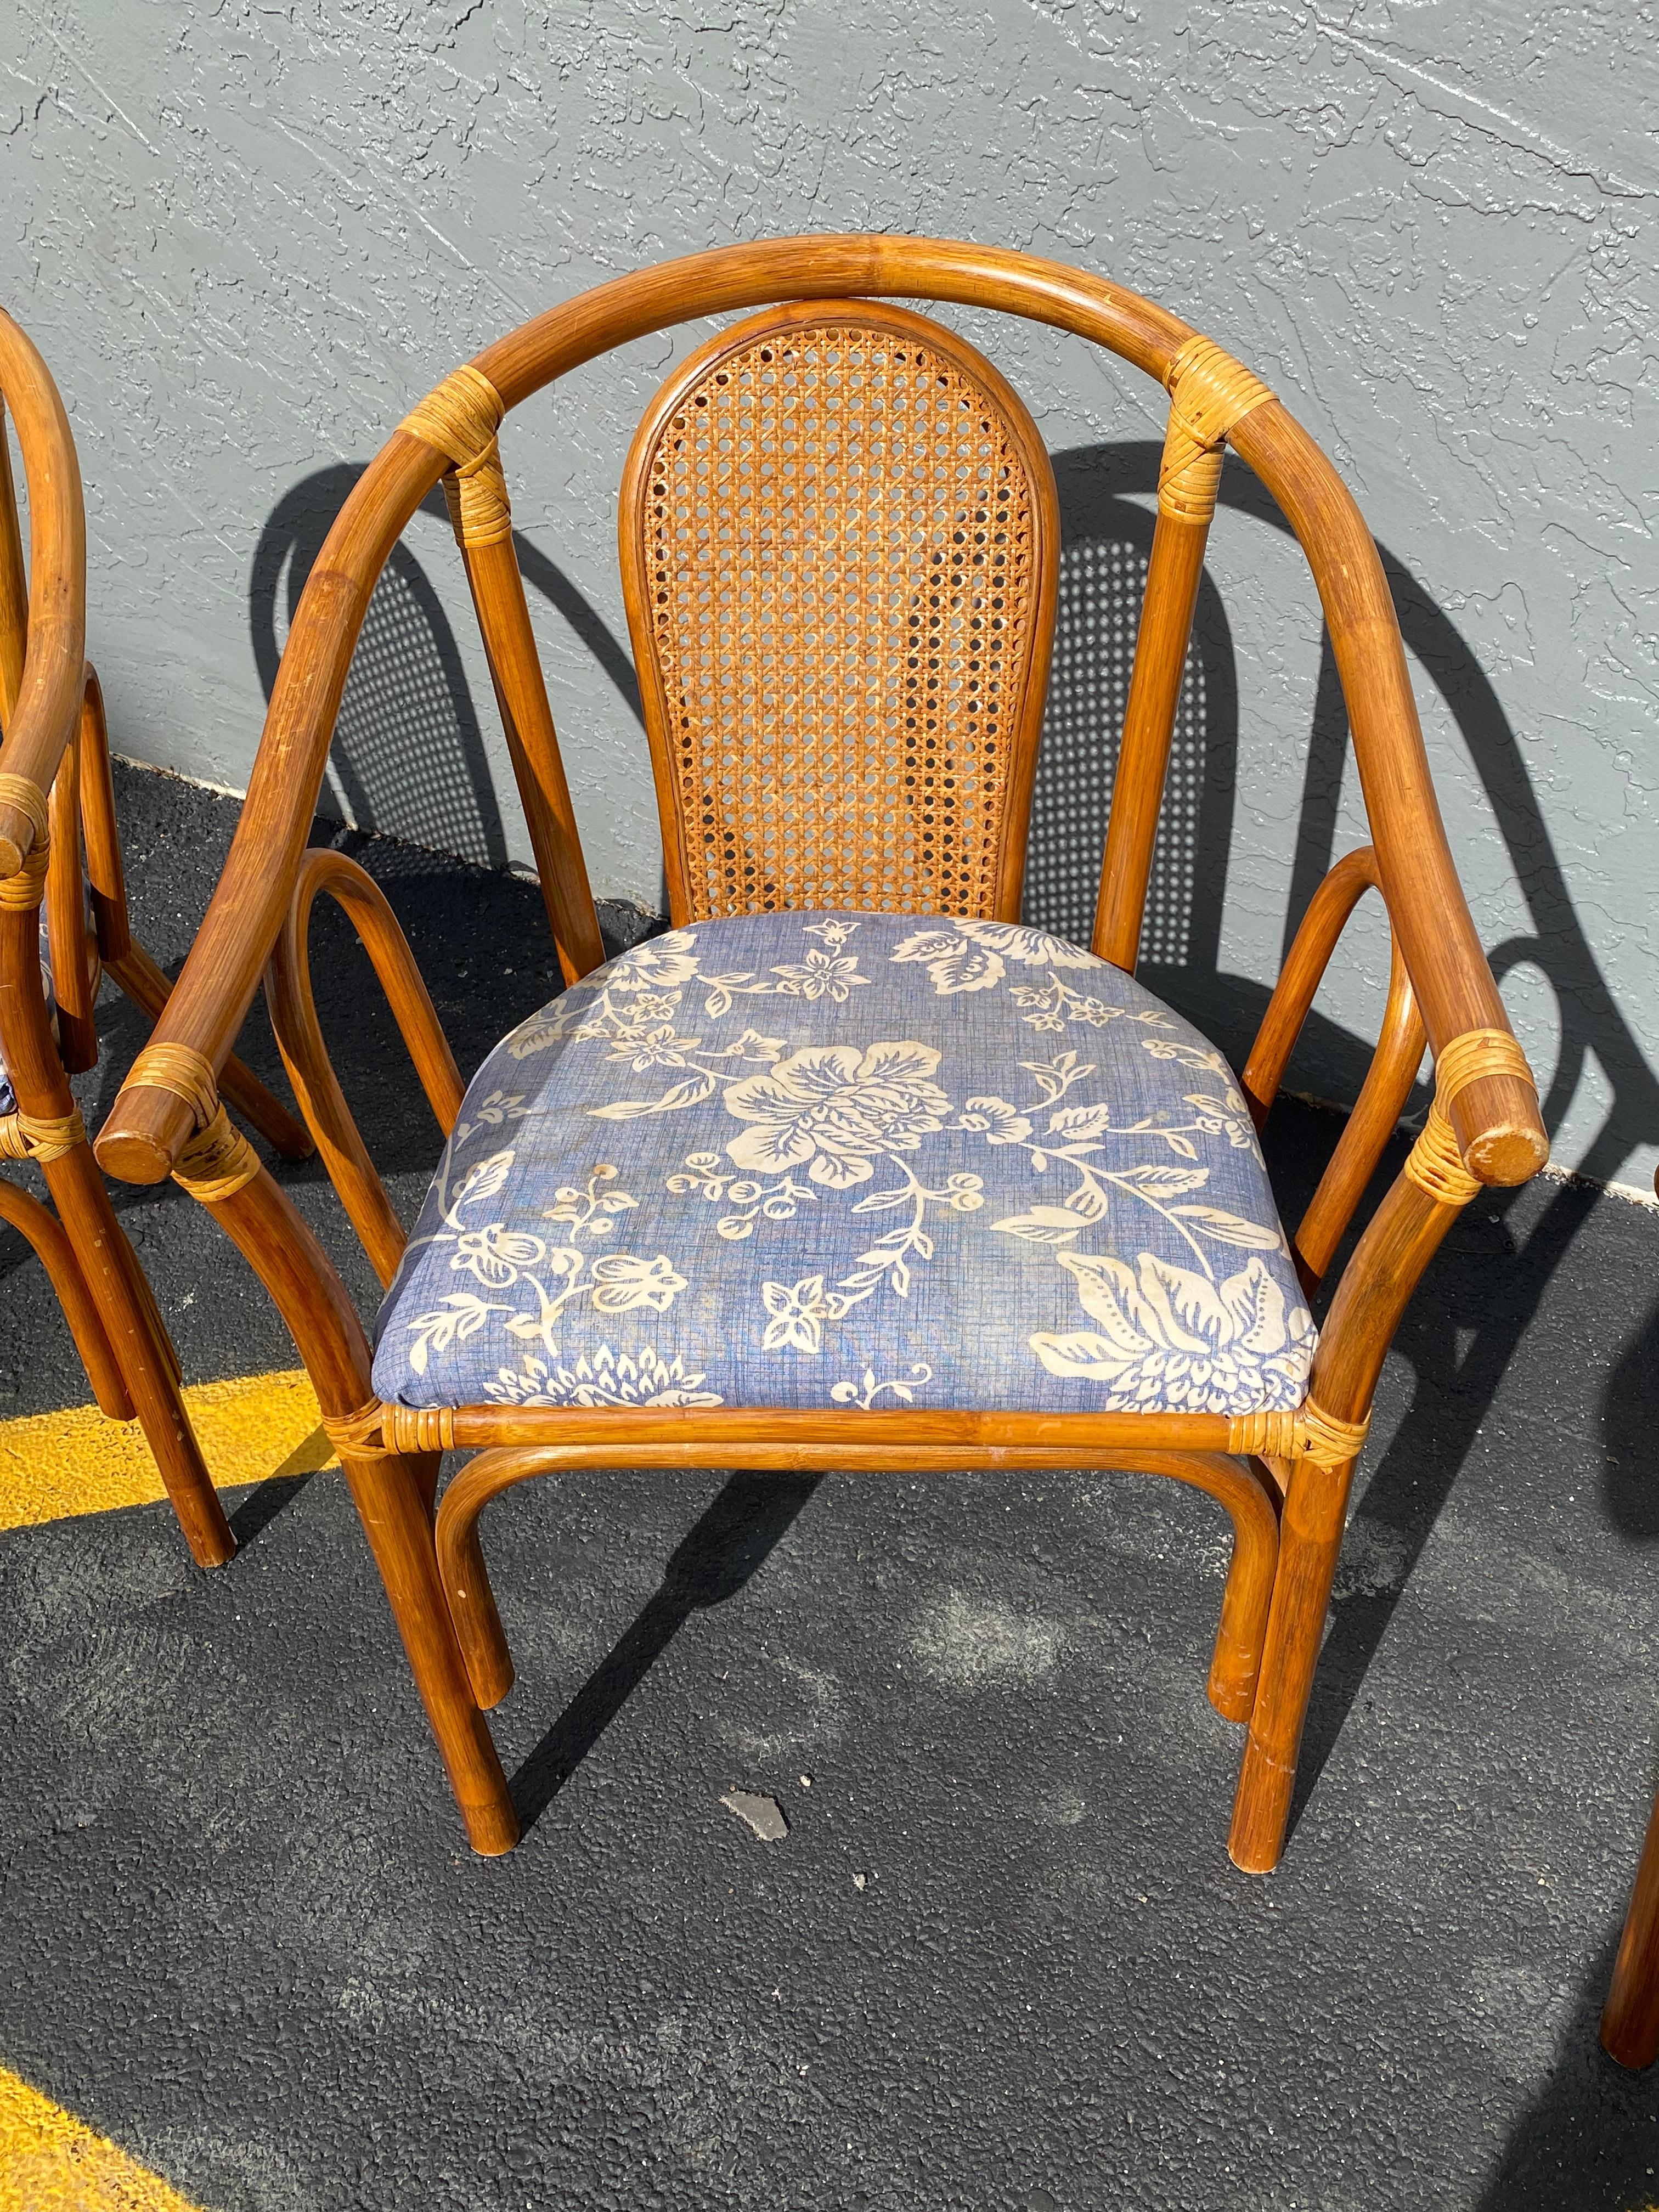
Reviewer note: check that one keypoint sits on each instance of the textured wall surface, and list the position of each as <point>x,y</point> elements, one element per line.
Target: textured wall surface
<point>247,236</point>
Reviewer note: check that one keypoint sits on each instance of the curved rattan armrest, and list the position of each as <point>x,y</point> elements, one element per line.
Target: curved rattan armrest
<point>1499,1131</point>
<point>47,707</point>
<point>1496,1119</point>
<point>147,1125</point>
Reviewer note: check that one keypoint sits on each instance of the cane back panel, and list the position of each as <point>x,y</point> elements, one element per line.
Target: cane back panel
<point>838,543</point>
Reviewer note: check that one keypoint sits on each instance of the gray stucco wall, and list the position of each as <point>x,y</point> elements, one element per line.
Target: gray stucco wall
<point>247,237</point>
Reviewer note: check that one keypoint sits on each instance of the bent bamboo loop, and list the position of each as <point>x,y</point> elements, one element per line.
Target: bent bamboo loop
<point>305,1055</point>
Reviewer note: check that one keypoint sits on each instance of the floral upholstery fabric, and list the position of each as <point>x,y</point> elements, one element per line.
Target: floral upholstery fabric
<point>850,1159</point>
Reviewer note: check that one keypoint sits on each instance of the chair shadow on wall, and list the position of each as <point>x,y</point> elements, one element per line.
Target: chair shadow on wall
<point>410,760</point>
<point>410,765</point>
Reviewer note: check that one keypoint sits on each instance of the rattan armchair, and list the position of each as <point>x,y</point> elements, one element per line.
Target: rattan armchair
<point>62,851</point>
<point>838,544</point>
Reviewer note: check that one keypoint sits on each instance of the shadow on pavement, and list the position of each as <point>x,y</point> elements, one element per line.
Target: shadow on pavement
<point>728,1545</point>
<point>1457,1345</point>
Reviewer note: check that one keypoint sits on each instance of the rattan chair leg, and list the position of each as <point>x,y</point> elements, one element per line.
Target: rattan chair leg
<point>472,1609</point>
<point>1252,1506</point>
<point>1241,1633</point>
<point>392,1493</point>
<point>56,1254</point>
<point>1629,2019</point>
<point>133,1327</point>
<point>387,1490</point>
<point>1310,1539</point>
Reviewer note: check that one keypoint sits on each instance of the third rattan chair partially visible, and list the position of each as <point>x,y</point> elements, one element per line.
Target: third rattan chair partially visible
<point>850,1171</point>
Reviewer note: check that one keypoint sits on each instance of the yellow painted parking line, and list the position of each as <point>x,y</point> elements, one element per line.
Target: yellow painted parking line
<point>50,2162</point>
<point>56,1465</point>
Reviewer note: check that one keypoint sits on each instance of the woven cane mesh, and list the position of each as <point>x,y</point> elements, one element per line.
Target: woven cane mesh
<point>842,571</point>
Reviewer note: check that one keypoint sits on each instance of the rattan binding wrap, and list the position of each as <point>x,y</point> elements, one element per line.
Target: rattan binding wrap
<point>217,1162</point>
<point>40,1137</point>
<point>27,887</point>
<point>30,800</point>
<point>461,418</point>
<point>378,1432</point>
<point>840,529</point>
<point>187,1073</point>
<point>1308,1433</point>
<point>1210,394</point>
<point>1434,1162</point>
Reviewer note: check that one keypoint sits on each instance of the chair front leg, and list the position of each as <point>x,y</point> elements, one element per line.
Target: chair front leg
<point>142,1350</point>
<point>393,1491</point>
<point>1310,1539</point>
<point>388,1490</point>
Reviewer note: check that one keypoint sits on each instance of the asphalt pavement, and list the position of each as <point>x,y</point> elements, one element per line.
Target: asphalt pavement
<point>999,1959</point>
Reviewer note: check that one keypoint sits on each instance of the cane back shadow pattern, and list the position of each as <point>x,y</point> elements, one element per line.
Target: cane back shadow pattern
<point>839,533</point>
<point>1281,1473</point>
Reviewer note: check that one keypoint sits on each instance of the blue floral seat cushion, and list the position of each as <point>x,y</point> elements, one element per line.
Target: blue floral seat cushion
<point>817,1159</point>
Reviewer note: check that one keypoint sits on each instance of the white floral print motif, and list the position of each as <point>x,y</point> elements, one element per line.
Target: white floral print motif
<point>1170,1338</point>
<point>642,1034</point>
<point>888,1080</point>
<point>499,1107</point>
<point>604,1379</point>
<point>500,1258</point>
<point>833,1110</point>
<point>972,956</point>
<point>864,1395</point>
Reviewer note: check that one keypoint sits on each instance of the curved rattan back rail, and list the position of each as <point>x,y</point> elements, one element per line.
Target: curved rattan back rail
<point>1484,1127</point>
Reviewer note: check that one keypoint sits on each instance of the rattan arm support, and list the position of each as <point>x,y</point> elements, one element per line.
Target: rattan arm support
<point>1327,915</point>
<point>1388,1080</point>
<point>300,1039</point>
